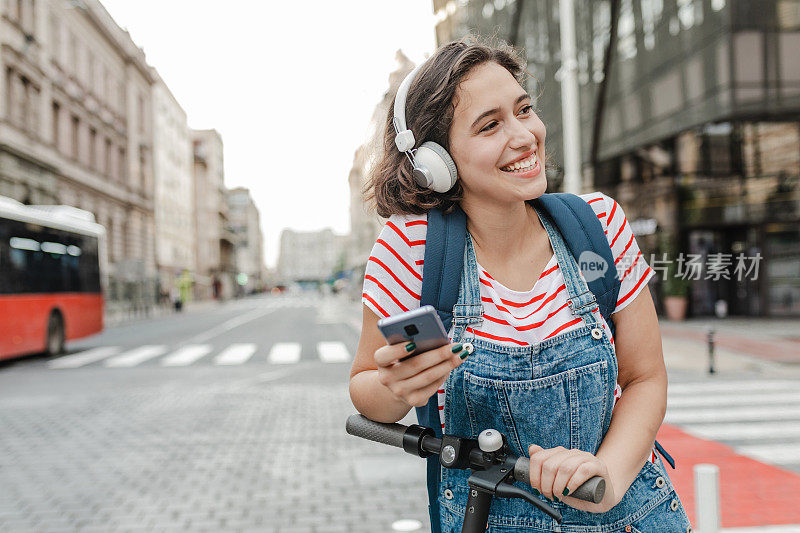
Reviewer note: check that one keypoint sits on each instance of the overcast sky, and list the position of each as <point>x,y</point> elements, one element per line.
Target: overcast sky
<point>290,85</point>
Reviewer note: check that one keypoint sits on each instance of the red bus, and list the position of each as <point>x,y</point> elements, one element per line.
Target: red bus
<point>51,277</point>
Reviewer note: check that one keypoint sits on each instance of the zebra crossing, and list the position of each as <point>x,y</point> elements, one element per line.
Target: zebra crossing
<point>281,353</point>
<point>758,418</point>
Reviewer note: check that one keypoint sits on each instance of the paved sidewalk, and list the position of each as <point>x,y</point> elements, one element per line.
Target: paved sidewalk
<point>754,496</point>
<point>769,339</point>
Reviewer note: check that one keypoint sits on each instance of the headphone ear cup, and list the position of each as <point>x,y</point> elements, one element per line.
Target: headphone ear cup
<point>436,163</point>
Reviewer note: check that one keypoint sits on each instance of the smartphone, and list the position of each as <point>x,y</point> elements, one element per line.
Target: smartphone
<point>422,326</point>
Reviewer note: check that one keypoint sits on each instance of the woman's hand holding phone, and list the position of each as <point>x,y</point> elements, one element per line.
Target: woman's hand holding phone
<point>415,379</point>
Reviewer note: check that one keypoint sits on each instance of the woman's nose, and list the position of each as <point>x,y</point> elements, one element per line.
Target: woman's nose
<point>521,136</point>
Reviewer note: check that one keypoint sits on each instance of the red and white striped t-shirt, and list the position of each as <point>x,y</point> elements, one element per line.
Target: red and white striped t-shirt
<point>393,281</point>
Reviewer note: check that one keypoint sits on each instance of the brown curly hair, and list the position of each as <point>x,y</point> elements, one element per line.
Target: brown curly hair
<point>430,105</point>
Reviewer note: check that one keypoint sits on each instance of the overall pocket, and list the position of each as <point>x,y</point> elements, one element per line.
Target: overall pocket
<point>564,409</point>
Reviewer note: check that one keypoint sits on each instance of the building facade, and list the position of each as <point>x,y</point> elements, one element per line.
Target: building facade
<point>365,224</point>
<point>311,257</point>
<point>245,224</point>
<point>174,189</point>
<point>76,129</point>
<point>215,269</point>
<point>697,134</point>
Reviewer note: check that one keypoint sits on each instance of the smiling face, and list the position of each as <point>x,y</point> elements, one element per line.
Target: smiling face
<point>496,140</point>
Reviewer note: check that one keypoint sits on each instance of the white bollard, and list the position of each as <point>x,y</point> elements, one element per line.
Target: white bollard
<point>706,498</point>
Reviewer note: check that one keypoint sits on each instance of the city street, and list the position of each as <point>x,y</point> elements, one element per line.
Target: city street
<point>225,418</point>
<point>230,417</point>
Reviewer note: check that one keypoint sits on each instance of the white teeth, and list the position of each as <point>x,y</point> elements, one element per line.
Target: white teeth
<point>525,164</point>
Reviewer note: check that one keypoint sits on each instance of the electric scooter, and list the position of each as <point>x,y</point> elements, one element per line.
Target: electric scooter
<point>494,467</point>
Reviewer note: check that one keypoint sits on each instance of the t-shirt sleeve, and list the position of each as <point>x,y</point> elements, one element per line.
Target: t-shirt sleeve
<point>393,275</point>
<point>632,268</point>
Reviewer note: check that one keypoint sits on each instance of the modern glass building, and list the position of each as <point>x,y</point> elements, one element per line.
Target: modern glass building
<point>699,128</point>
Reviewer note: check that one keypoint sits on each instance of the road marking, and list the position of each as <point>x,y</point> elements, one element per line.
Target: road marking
<point>186,355</point>
<point>284,353</point>
<point>703,387</point>
<point>136,356</point>
<point>333,352</point>
<point>84,358</point>
<point>745,431</point>
<point>229,325</point>
<point>733,414</point>
<point>773,453</point>
<point>235,354</point>
<point>739,399</point>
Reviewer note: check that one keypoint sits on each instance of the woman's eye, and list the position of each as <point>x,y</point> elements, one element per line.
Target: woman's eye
<point>489,126</point>
<point>527,109</point>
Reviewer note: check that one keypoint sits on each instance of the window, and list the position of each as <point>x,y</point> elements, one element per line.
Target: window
<point>717,150</point>
<point>22,88</point>
<point>73,53</point>
<point>14,9</point>
<point>93,148</point>
<point>651,15</point>
<point>55,37</point>
<point>140,113</point>
<point>91,66</point>
<point>626,40</point>
<point>608,172</point>
<point>76,130</point>
<point>142,166</point>
<point>41,259</point>
<point>107,168</point>
<point>121,98</point>
<point>121,174</point>
<point>56,125</point>
<point>106,86</point>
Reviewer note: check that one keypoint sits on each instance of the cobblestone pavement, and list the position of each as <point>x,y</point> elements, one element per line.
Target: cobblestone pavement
<point>252,447</point>
<point>177,457</point>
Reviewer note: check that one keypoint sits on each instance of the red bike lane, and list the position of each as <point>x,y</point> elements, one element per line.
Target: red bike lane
<point>752,493</point>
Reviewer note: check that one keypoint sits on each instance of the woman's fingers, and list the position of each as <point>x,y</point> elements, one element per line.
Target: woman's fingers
<point>558,472</point>
<point>416,379</point>
<point>427,379</point>
<point>391,355</point>
<point>573,471</point>
<point>544,467</point>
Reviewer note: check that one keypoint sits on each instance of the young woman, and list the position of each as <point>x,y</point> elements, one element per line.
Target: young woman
<point>545,376</point>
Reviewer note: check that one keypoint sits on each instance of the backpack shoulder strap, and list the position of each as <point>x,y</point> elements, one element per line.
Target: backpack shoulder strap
<point>441,278</point>
<point>582,232</point>
<point>444,261</point>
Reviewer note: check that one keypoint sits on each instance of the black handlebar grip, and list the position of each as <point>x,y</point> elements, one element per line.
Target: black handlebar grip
<point>592,490</point>
<point>361,426</point>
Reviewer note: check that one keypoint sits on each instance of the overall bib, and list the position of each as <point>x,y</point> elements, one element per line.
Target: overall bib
<point>559,392</point>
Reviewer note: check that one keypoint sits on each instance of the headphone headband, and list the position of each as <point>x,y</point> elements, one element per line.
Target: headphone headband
<point>400,103</point>
<point>433,167</point>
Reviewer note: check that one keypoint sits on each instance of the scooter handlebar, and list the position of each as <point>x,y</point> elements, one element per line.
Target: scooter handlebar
<point>361,426</point>
<point>392,434</point>
<point>592,490</point>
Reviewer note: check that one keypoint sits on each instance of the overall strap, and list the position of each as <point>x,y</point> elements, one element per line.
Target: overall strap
<point>587,242</point>
<point>584,236</point>
<point>441,279</point>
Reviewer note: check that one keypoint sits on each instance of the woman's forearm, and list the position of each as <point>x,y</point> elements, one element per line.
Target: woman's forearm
<point>629,441</point>
<point>374,400</point>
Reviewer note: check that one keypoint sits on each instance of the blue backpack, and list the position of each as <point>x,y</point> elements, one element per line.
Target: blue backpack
<point>441,278</point>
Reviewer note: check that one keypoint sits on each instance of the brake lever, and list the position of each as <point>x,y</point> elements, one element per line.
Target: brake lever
<point>507,490</point>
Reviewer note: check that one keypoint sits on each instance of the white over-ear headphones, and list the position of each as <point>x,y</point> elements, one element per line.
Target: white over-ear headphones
<point>433,166</point>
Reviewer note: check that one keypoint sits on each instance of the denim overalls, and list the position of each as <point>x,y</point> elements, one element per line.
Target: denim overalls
<point>557,393</point>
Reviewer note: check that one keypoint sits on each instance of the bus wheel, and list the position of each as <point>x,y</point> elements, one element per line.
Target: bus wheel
<point>55,334</point>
